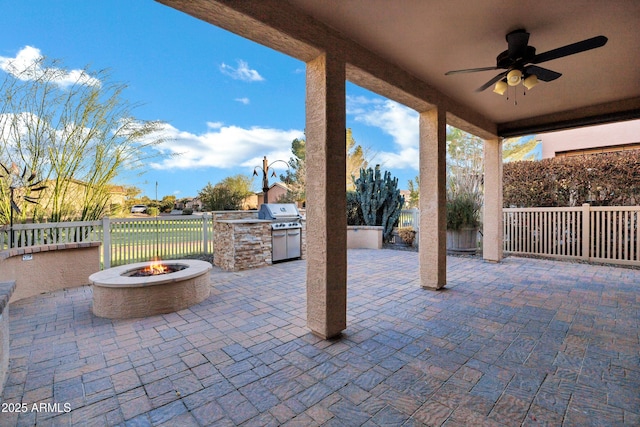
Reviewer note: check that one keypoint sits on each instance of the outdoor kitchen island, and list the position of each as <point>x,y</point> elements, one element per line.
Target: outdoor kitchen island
<point>244,241</point>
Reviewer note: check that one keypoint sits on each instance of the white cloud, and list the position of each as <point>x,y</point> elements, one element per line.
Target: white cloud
<point>223,147</point>
<point>395,120</point>
<point>27,66</point>
<point>244,101</point>
<point>242,72</point>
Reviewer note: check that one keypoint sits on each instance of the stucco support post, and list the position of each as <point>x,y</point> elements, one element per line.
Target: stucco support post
<point>492,229</point>
<point>326,196</point>
<point>433,203</point>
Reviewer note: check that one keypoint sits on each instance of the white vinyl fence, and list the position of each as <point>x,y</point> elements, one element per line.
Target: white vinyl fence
<point>52,233</point>
<point>409,218</point>
<point>124,240</point>
<point>609,234</point>
<point>591,233</point>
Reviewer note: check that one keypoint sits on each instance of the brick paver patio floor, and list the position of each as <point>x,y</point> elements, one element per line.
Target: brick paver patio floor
<point>523,342</point>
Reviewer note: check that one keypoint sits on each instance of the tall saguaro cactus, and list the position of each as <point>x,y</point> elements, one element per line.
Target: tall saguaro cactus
<point>379,197</point>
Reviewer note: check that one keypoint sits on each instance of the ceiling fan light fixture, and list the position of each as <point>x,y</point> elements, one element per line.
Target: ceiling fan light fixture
<point>530,81</point>
<point>501,87</point>
<point>514,77</point>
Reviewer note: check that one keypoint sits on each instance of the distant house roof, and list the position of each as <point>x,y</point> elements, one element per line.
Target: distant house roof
<point>276,184</point>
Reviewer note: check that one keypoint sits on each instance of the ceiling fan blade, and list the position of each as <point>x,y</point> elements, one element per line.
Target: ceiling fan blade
<point>570,49</point>
<point>491,82</point>
<point>470,70</point>
<point>517,41</point>
<point>542,73</point>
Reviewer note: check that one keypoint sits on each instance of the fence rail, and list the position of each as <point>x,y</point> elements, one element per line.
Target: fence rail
<point>409,218</point>
<point>142,239</point>
<point>124,240</point>
<point>590,233</point>
<point>50,233</point>
<point>608,234</point>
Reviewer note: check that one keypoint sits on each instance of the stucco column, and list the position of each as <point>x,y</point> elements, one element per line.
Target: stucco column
<point>433,203</point>
<point>326,196</point>
<point>492,230</point>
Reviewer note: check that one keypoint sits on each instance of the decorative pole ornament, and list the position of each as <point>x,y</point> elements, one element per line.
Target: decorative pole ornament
<point>17,181</point>
<point>265,175</point>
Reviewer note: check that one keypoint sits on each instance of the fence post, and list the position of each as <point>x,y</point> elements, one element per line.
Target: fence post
<point>106,242</point>
<point>205,243</point>
<point>586,231</point>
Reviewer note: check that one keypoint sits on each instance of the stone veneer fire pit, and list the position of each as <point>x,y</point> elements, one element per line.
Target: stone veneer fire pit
<point>119,295</point>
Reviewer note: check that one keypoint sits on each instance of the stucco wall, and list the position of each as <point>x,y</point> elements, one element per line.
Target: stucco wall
<point>48,268</point>
<point>364,237</point>
<point>6,289</point>
<point>590,137</point>
<point>4,346</point>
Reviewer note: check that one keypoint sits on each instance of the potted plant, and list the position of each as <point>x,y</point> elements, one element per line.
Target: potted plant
<point>407,234</point>
<point>463,212</point>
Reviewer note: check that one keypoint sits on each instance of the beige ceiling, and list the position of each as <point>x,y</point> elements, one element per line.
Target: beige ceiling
<point>427,38</point>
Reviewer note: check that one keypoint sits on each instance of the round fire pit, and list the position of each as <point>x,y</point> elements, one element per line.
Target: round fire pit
<point>128,291</point>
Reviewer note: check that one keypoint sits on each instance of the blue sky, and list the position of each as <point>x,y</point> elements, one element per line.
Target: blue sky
<point>227,101</point>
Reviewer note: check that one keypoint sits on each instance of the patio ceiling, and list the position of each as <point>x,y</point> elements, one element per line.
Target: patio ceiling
<point>424,39</point>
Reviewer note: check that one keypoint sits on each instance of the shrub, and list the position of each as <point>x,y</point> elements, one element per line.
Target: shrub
<point>187,211</point>
<point>153,211</point>
<point>608,179</point>
<point>462,212</point>
<point>407,234</point>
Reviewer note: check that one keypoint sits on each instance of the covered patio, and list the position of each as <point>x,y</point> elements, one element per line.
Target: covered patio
<point>403,53</point>
<point>521,342</point>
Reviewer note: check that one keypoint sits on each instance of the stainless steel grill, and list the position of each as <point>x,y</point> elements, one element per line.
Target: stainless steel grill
<point>286,230</point>
<point>282,212</point>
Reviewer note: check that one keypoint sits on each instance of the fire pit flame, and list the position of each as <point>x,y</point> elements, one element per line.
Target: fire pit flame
<point>155,268</point>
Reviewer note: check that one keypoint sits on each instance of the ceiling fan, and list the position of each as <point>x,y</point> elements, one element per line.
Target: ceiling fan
<point>517,60</point>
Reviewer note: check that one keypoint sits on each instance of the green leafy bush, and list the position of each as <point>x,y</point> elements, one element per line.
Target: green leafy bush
<point>462,212</point>
<point>608,179</point>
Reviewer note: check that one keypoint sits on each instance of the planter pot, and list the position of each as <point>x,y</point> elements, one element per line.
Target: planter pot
<point>364,237</point>
<point>464,240</point>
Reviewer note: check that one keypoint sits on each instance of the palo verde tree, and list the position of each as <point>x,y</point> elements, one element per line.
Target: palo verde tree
<point>521,148</point>
<point>295,177</point>
<point>414,192</point>
<point>72,128</point>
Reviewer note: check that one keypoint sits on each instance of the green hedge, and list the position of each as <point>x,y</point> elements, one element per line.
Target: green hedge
<point>608,179</point>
